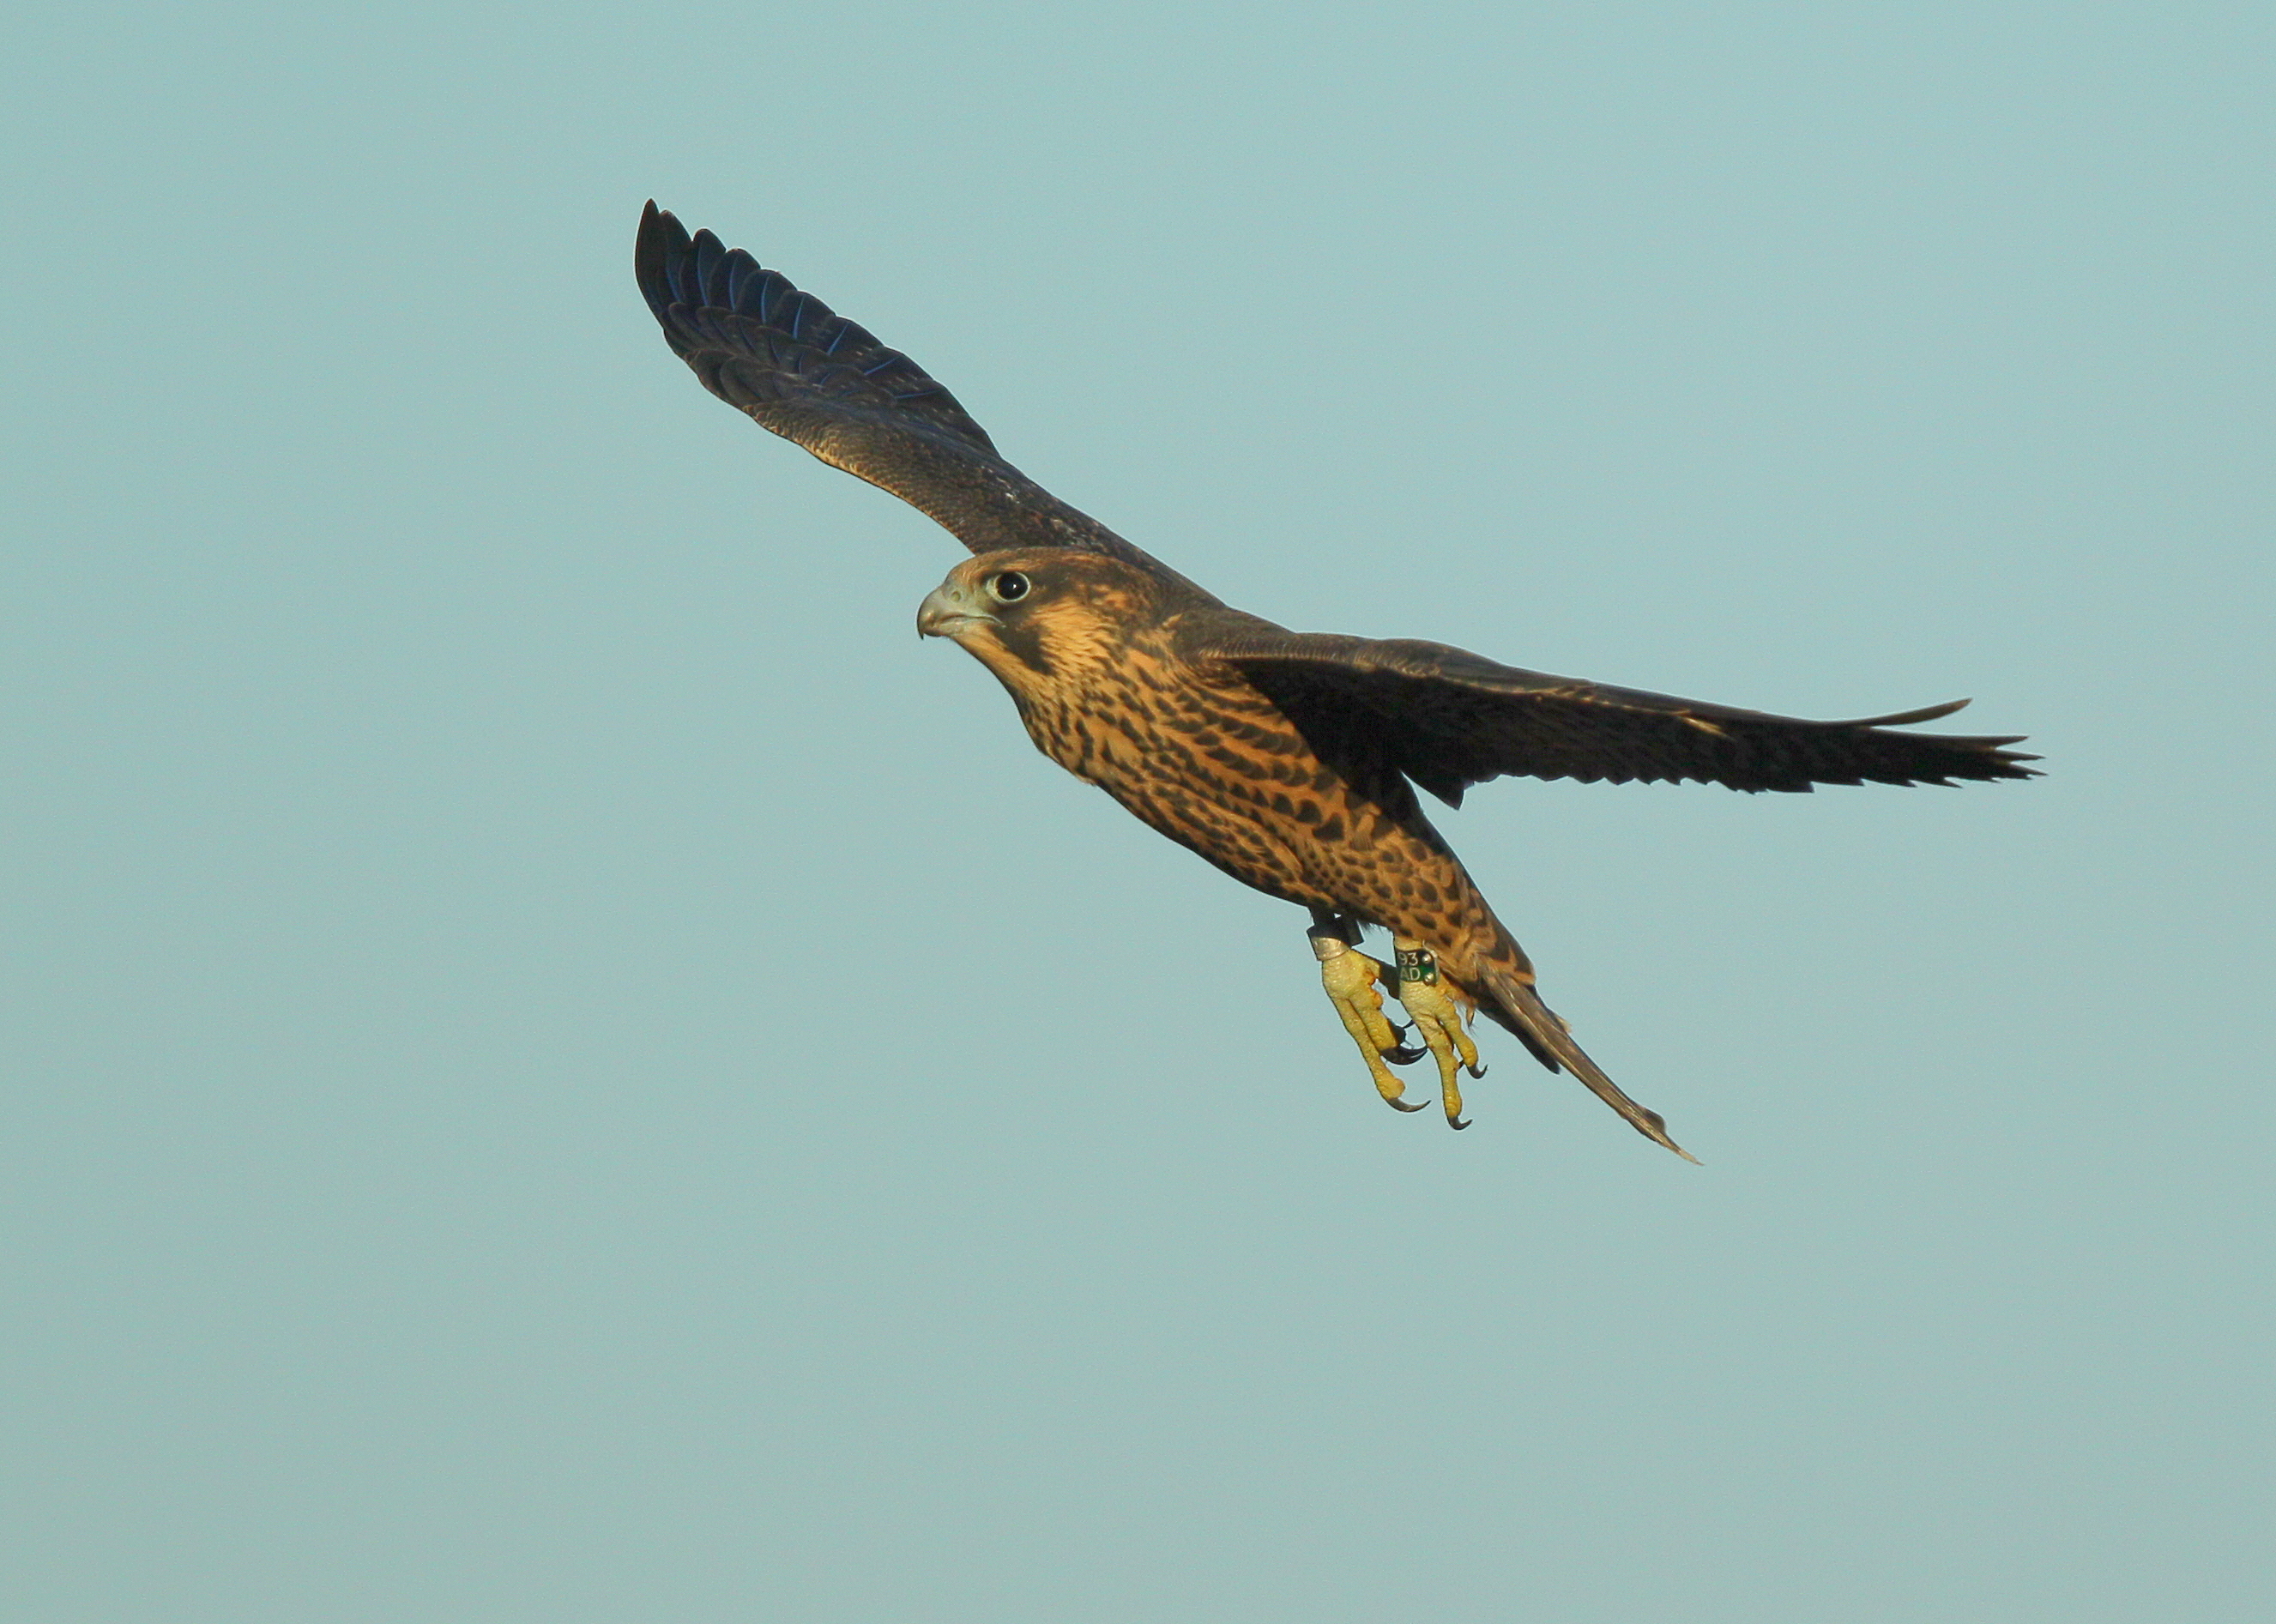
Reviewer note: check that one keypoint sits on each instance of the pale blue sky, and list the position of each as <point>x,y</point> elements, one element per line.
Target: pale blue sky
<point>565,1068</point>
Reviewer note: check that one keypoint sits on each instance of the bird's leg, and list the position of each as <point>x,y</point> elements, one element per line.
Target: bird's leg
<point>1350,977</point>
<point>1440,1013</point>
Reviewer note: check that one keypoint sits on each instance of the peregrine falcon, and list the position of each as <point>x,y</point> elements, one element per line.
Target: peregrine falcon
<point>1290,760</point>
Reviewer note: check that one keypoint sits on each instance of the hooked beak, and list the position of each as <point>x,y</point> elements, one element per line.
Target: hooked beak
<point>950,608</point>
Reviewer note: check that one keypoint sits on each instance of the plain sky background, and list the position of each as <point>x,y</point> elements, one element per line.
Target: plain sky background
<point>563,1068</point>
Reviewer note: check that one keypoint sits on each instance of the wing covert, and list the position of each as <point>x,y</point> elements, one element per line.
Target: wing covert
<point>1449,718</point>
<point>811,375</point>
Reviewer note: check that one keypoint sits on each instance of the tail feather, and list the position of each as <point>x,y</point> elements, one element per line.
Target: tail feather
<point>1514,1003</point>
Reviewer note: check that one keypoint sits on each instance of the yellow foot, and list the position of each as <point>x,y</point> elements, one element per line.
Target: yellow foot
<point>1350,977</point>
<point>1439,1014</point>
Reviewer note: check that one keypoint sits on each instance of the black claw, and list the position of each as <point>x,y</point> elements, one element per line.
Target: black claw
<point>1477,1071</point>
<point>1400,1104</point>
<point>1458,1123</point>
<point>1404,1057</point>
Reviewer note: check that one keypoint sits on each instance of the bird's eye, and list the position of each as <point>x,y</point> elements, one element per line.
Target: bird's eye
<point>1007,586</point>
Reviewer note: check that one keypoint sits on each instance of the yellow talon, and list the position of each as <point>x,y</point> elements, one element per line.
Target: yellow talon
<point>1350,979</point>
<point>1439,1015</point>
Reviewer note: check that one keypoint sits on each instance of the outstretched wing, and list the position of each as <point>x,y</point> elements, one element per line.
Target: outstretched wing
<point>1448,718</point>
<point>811,376</point>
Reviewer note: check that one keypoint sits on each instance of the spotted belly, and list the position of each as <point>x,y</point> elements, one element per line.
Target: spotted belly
<point>1217,768</point>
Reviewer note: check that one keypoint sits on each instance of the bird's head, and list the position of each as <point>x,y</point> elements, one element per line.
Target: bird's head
<point>1037,616</point>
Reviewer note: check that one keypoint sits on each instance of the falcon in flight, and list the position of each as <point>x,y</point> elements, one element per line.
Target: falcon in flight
<point>1288,758</point>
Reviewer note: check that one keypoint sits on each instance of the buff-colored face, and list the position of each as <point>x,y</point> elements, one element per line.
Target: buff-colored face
<point>1033,614</point>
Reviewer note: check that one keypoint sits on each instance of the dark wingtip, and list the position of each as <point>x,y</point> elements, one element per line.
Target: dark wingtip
<point>661,239</point>
<point>1905,719</point>
<point>2002,763</point>
<point>1926,713</point>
